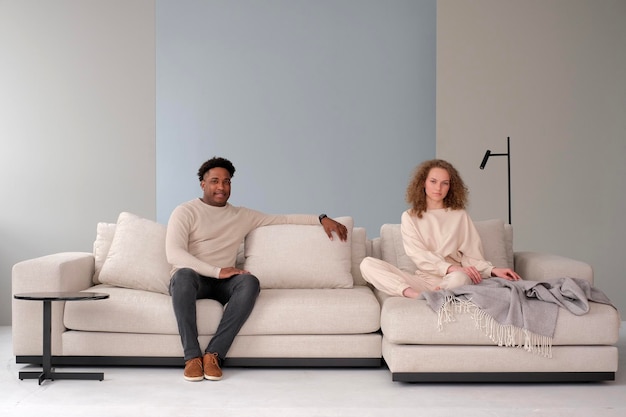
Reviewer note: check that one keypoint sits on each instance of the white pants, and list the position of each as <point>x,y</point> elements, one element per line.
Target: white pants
<point>393,281</point>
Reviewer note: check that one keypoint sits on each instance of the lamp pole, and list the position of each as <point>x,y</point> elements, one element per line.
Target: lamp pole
<point>488,154</point>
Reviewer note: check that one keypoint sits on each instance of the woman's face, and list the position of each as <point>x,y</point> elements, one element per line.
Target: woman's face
<point>436,187</point>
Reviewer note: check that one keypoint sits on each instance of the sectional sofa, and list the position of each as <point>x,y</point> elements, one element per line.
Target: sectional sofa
<point>314,310</point>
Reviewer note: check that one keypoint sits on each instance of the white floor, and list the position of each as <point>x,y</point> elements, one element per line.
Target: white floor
<point>296,392</point>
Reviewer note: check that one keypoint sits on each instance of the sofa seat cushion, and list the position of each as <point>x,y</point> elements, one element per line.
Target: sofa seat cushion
<point>313,311</point>
<point>408,321</point>
<point>135,311</point>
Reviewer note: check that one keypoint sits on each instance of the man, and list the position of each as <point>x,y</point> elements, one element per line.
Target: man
<point>203,237</point>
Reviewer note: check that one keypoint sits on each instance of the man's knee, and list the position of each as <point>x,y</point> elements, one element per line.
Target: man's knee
<point>250,285</point>
<point>183,279</point>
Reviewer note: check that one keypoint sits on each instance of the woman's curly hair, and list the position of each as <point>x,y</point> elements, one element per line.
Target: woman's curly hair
<point>216,162</point>
<point>456,198</point>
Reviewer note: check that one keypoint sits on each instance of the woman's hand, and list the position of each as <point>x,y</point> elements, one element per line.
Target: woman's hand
<point>470,271</point>
<point>506,273</point>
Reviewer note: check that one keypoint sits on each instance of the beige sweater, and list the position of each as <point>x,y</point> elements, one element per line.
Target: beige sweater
<point>206,238</point>
<point>442,238</point>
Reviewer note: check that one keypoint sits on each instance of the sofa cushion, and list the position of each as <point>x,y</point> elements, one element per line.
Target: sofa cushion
<point>104,237</point>
<point>276,312</point>
<point>494,240</point>
<point>136,258</point>
<point>299,256</point>
<point>508,241</point>
<point>392,248</point>
<point>133,311</point>
<point>497,245</point>
<point>314,311</point>
<point>413,322</point>
<point>359,252</point>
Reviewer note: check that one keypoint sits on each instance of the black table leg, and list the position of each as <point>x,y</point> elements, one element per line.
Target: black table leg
<point>47,372</point>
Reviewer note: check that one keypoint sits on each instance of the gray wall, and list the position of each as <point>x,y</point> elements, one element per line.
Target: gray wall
<point>551,75</point>
<point>77,124</point>
<point>323,106</point>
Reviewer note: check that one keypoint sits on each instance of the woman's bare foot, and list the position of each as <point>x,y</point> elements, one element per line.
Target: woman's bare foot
<point>410,293</point>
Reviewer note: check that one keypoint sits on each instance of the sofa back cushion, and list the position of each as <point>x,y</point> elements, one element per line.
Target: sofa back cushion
<point>359,252</point>
<point>299,256</point>
<point>126,271</point>
<point>136,257</point>
<point>104,237</point>
<point>497,240</point>
<point>497,243</point>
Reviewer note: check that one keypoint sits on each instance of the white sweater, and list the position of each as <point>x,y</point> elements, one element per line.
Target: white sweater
<point>442,238</point>
<point>206,238</point>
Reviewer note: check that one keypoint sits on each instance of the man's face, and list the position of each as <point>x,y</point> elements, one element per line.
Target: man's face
<point>216,187</point>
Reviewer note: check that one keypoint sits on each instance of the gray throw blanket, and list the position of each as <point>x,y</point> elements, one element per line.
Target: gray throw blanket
<point>516,313</point>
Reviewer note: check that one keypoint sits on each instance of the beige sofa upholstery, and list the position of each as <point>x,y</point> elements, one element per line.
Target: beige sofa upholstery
<point>415,349</point>
<point>316,319</point>
<point>298,320</point>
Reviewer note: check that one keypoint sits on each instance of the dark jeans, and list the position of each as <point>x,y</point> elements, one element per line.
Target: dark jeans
<point>238,293</point>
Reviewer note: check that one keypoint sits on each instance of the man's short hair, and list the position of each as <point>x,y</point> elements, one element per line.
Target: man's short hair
<point>216,162</point>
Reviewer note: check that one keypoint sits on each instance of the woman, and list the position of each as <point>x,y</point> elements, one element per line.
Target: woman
<point>439,237</point>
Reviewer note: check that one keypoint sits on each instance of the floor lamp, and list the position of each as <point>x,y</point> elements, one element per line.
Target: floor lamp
<point>508,161</point>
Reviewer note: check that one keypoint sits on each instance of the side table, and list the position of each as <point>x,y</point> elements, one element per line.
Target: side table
<point>48,298</point>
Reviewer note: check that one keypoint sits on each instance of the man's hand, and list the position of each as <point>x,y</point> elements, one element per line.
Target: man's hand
<point>231,272</point>
<point>331,226</point>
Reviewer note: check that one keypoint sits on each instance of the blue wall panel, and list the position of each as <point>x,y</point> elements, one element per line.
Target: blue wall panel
<point>322,106</point>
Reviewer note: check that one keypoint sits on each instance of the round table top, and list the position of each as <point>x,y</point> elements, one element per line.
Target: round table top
<point>61,296</point>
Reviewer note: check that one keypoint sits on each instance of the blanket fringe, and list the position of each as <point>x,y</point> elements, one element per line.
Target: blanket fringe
<point>501,334</point>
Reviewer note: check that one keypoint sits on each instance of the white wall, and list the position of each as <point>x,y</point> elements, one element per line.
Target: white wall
<point>77,124</point>
<point>551,75</point>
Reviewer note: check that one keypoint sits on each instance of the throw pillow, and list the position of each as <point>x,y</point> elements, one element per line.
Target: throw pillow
<point>104,237</point>
<point>136,258</point>
<point>299,256</point>
<point>492,237</point>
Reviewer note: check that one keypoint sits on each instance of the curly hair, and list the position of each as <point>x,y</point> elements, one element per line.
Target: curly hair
<point>216,162</point>
<point>456,198</point>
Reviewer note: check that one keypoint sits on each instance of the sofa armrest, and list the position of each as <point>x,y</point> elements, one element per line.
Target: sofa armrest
<point>68,271</point>
<point>535,266</point>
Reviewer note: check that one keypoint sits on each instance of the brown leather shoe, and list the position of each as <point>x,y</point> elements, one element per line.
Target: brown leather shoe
<point>193,370</point>
<point>211,366</point>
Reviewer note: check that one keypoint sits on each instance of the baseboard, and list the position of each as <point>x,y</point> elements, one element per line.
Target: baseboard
<point>229,362</point>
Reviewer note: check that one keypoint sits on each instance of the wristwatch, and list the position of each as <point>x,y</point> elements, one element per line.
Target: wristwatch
<point>322,217</point>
